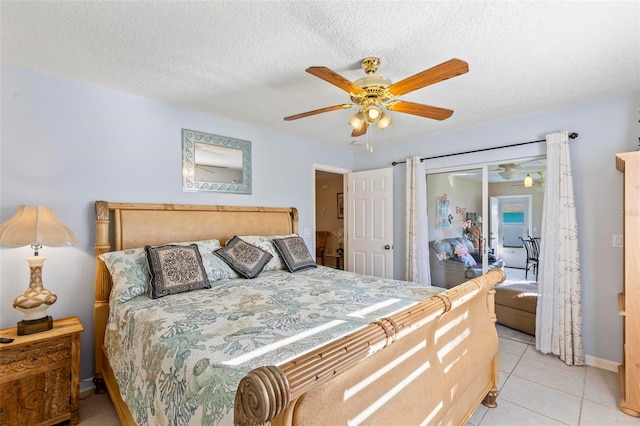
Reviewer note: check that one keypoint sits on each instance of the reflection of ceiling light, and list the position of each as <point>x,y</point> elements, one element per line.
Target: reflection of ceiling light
<point>528,181</point>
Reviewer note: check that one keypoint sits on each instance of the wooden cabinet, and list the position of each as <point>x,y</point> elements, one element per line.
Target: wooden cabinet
<point>629,300</point>
<point>39,375</point>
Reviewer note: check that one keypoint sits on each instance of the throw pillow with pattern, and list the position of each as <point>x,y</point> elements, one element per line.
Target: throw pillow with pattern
<point>175,269</point>
<point>295,253</point>
<point>246,259</point>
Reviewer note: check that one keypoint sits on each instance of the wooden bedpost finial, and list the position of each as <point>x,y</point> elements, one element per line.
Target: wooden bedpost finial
<point>262,394</point>
<point>102,210</point>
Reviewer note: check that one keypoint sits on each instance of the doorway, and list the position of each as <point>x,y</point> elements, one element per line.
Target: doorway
<point>329,217</point>
<point>511,222</point>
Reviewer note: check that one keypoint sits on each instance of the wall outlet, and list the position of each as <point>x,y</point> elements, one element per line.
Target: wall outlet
<point>617,241</point>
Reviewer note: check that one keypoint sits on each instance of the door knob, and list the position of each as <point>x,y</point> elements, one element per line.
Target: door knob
<point>387,247</point>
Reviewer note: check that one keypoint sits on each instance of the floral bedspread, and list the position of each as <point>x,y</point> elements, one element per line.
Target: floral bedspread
<point>179,359</point>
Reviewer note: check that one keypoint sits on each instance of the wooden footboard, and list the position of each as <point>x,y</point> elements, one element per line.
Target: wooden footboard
<point>430,364</point>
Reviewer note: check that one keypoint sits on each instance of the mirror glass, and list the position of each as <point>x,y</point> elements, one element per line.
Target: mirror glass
<point>215,163</point>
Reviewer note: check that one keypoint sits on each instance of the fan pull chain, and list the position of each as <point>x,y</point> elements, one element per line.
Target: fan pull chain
<point>369,146</point>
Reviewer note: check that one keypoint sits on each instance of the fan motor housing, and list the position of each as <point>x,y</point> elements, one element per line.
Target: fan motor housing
<point>375,86</point>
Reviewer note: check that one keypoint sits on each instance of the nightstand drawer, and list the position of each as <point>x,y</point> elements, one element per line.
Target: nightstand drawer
<point>32,358</point>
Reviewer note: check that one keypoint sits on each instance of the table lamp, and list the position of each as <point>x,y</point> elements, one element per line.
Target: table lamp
<point>35,226</point>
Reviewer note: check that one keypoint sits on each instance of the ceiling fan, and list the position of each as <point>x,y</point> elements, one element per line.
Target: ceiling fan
<point>372,92</point>
<point>508,171</point>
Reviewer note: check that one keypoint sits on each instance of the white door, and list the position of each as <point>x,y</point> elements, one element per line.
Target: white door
<point>369,213</point>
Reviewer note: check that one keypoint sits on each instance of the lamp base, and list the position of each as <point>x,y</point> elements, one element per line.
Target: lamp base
<point>34,326</point>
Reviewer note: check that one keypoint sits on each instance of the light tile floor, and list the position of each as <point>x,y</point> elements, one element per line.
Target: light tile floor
<point>538,389</point>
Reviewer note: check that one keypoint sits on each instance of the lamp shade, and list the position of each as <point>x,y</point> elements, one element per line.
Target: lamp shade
<point>372,113</point>
<point>357,121</point>
<point>35,226</point>
<point>385,121</point>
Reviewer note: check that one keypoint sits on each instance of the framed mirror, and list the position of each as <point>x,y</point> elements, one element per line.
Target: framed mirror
<point>215,163</point>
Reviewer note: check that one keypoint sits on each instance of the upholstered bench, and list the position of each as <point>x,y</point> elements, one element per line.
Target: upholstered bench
<point>516,306</point>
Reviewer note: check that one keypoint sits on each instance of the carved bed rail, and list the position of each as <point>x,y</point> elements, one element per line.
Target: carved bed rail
<point>266,392</point>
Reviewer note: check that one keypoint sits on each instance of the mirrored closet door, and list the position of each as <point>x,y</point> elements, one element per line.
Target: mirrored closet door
<point>457,205</point>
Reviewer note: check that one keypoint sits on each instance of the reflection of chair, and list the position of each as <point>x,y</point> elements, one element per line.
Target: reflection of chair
<point>321,243</point>
<point>532,248</point>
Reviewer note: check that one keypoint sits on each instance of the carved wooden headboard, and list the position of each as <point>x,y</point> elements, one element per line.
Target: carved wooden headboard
<point>121,226</point>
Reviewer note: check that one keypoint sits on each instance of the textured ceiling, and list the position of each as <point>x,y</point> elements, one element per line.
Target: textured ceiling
<point>246,60</point>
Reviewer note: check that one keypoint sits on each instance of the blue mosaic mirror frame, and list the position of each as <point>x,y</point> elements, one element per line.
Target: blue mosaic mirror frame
<point>215,163</point>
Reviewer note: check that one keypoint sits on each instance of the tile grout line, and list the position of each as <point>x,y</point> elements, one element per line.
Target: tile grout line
<point>584,390</point>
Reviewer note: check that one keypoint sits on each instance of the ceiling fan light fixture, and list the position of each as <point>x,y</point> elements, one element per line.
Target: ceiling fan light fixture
<point>372,113</point>
<point>528,181</point>
<point>373,91</point>
<point>507,174</point>
<point>357,121</point>
<point>385,121</point>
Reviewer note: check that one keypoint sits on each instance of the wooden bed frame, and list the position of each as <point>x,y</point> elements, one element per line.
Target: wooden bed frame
<point>433,363</point>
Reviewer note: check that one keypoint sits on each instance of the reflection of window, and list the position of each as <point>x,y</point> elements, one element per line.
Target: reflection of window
<point>513,217</point>
<point>443,213</point>
<point>512,225</point>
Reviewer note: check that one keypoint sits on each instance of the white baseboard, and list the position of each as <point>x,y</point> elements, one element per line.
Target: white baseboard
<point>86,385</point>
<point>604,364</point>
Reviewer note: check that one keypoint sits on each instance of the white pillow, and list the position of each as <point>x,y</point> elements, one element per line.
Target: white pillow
<point>130,271</point>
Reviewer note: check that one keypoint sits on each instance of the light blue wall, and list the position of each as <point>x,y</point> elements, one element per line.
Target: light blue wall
<point>66,144</point>
<point>605,128</point>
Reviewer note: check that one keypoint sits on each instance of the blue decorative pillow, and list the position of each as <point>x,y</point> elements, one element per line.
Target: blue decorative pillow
<point>246,259</point>
<point>175,269</point>
<point>295,253</point>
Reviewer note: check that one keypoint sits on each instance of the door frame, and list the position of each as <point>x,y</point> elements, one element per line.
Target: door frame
<point>331,169</point>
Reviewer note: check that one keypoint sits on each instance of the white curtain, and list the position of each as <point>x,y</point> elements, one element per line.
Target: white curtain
<point>417,223</point>
<point>559,310</point>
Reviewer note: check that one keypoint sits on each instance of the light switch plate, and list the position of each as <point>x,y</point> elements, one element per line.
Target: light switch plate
<point>617,240</point>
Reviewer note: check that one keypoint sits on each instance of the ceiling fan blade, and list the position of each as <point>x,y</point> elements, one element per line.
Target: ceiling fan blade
<point>336,79</point>
<point>420,109</point>
<point>444,71</point>
<point>360,132</point>
<point>318,111</point>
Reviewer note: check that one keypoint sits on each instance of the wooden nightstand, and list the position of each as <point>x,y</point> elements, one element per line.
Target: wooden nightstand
<point>40,375</point>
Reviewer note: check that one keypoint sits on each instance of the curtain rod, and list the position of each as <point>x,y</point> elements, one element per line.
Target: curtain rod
<point>572,135</point>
